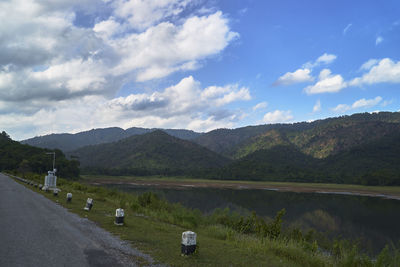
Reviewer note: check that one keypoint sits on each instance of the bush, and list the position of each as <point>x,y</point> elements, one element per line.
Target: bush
<point>79,187</point>
<point>147,199</point>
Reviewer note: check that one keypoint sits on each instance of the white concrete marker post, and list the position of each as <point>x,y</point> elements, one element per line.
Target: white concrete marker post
<point>89,204</point>
<point>55,192</point>
<point>69,197</point>
<point>119,217</point>
<point>188,245</point>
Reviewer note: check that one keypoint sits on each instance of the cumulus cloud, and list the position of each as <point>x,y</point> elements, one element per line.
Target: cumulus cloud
<point>56,55</point>
<point>299,76</point>
<point>278,116</point>
<point>184,105</point>
<point>327,83</point>
<point>304,74</point>
<point>361,103</point>
<point>369,64</point>
<point>166,48</point>
<point>44,53</point>
<point>383,71</point>
<point>317,106</point>
<point>180,99</point>
<point>260,105</point>
<point>142,14</point>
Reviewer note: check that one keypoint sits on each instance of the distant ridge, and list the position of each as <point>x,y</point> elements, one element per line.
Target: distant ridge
<point>319,138</point>
<point>68,142</point>
<point>360,149</point>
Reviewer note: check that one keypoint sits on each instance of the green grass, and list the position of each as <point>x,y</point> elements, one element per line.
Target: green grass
<point>155,227</point>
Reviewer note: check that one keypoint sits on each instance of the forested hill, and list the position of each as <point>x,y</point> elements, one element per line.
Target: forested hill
<point>319,138</point>
<point>361,148</point>
<point>373,163</point>
<point>69,142</point>
<point>26,158</point>
<point>151,153</point>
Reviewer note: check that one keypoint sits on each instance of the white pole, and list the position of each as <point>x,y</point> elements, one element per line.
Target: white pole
<point>54,158</point>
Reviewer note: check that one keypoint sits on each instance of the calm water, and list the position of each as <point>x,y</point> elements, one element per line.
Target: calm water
<point>372,221</point>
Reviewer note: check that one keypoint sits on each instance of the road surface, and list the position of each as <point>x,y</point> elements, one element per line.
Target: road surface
<point>34,231</point>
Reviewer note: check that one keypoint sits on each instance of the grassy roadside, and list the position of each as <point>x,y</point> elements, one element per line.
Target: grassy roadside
<point>155,227</point>
<point>380,191</point>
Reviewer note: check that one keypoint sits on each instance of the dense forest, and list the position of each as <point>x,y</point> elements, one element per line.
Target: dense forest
<point>375,163</point>
<point>151,153</point>
<point>361,149</point>
<point>25,158</point>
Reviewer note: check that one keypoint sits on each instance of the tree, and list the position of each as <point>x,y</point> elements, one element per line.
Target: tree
<point>24,167</point>
<point>4,134</point>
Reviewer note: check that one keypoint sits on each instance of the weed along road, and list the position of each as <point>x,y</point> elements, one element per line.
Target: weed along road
<point>34,231</point>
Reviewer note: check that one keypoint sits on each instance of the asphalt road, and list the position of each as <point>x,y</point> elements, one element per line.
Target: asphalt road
<point>34,231</point>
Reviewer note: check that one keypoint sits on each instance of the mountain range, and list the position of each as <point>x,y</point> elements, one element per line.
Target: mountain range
<point>68,142</point>
<point>361,148</point>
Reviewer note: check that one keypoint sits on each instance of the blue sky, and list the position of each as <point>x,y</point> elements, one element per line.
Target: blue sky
<point>69,66</point>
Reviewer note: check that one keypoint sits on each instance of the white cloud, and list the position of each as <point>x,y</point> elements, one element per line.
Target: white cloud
<point>43,54</point>
<point>278,116</point>
<point>369,64</point>
<point>361,103</point>
<point>241,94</point>
<point>51,64</point>
<point>347,28</point>
<point>386,103</point>
<point>383,71</point>
<point>260,105</point>
<point>184,105</point>
<point>327,83</point>
<point>378,40</point>
<point>142,14</point>
<point>341,108</point>
<point>107,28</point>
<point>322,60</point>
<point>299,76</point>
<point>326,59</point>
<point>304,74</point>
<point>317,106</point>
<point>166,48</point>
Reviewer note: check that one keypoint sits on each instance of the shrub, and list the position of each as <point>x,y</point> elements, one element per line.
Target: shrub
<point>79,187</point>
<point>147,199</point>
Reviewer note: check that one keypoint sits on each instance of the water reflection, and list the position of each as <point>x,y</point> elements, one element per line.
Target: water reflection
<point>373,221</point>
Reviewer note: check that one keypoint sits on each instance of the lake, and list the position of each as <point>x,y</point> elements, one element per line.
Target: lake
<point>372,221</point>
